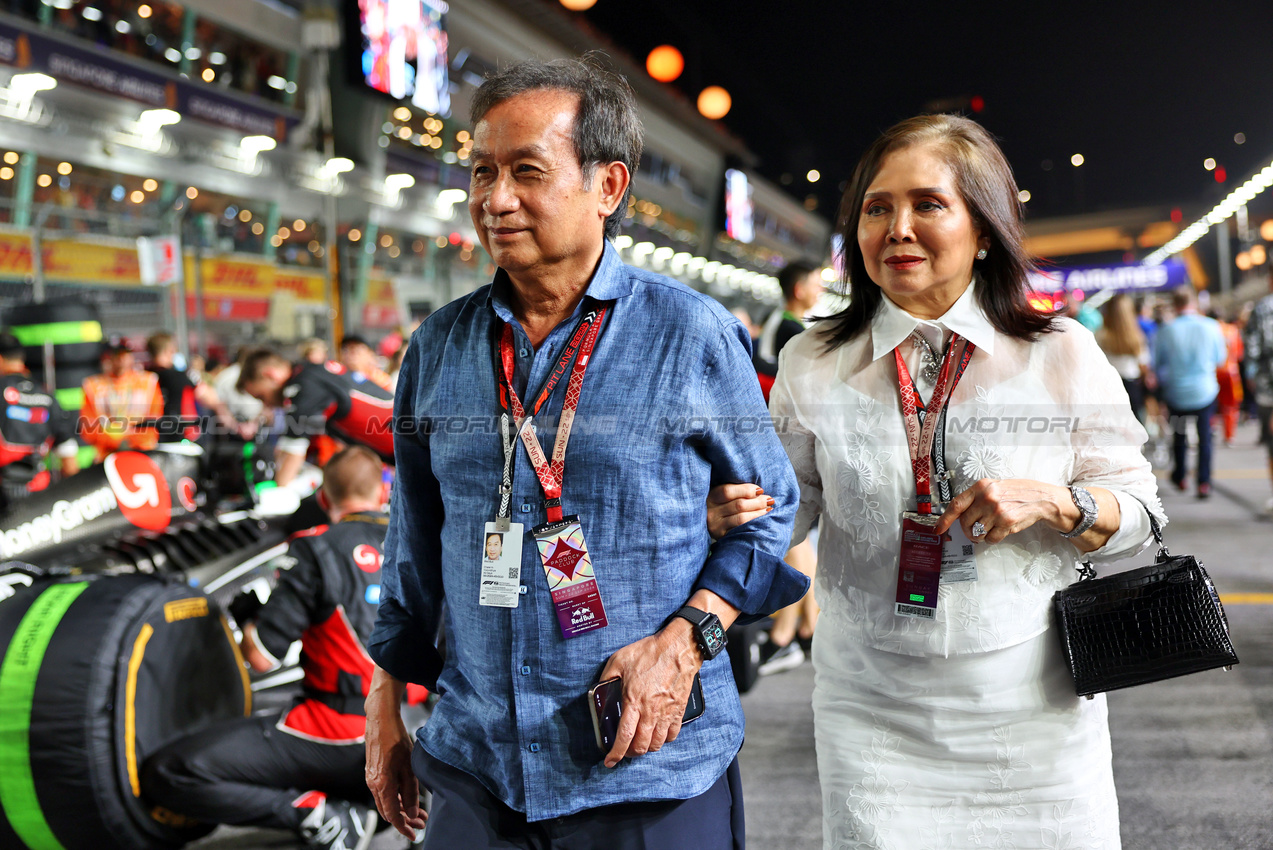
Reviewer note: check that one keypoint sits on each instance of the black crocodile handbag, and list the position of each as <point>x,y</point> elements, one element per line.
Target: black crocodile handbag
<point>1144,625</point>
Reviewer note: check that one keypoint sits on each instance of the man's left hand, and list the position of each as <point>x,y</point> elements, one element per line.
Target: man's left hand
<point>658,672</point>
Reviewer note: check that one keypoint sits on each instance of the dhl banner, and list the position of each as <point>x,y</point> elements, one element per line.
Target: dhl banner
<point>227,281</point>
<point>381,309</point>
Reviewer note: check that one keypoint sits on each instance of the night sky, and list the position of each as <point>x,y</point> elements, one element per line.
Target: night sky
<point>1144,91</point>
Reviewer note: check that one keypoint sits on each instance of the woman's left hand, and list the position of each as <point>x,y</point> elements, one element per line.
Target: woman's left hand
<point>1007,506</point>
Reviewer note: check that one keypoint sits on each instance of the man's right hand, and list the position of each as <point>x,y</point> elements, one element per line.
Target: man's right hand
<point>389,775</point>
<point>731,505</point>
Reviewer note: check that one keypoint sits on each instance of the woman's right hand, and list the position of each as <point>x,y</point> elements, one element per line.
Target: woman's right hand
<point>731,505</point>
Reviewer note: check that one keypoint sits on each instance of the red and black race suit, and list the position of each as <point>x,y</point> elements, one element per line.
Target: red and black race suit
<point>30,423</point>
<point>326,397</point>
<point>326,597</point>
<point>181,416</point>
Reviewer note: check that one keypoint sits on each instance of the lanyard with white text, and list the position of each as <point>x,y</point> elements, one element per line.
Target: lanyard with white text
<point>919,436</point>
<point>550,474</point>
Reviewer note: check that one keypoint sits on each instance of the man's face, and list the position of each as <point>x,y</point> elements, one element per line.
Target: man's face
<point>357,358</point>
<point>494,546</point>
<point>120,364</point>
<point>527,193</point>
<point>268,387</point>
<point>809,290</point>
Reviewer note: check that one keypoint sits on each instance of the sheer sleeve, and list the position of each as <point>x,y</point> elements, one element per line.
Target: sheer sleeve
<point>799,442</point>
<point>1107,441</point>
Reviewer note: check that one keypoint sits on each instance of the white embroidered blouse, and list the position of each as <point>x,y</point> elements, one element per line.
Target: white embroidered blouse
<point>1053,411</point>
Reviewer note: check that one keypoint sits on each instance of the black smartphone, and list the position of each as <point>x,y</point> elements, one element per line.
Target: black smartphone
<point>606,703</point>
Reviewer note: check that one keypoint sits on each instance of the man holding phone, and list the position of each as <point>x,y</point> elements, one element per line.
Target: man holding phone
<point>605,568</point>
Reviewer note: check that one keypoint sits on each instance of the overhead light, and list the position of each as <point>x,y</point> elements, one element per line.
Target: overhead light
<point>451,197</point>
<point>29,84</point>
<point>337,165</point>
<point>276,82</point>
<point>623,241</point>
<point>193,53</point>
<point>257,144</point>
<point>156,118</point>
<point>91,13</point>
<point>1248,191</point>
<point>216,57</point>
<point>394,184</point>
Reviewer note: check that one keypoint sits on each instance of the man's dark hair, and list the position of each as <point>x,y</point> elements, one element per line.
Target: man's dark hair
<point>255,364</point>
<point>353,339</point>
<point>607,125</point>
<point>353,473</point>
<point>1182,296</point>
<point>11,347</point>
<point>984,181</point>
<point>792,273</point>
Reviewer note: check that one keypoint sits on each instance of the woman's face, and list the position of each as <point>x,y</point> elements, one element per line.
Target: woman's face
<point>494,546</point>
<point>916,234</point>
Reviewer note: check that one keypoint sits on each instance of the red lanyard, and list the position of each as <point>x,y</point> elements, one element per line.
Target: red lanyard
<point>581,343</point>
<point>920,437</point>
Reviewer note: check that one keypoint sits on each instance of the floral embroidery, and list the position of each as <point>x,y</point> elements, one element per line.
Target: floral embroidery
<point>873,799</point>
<point>983,461</point>
<point>1042,565</point>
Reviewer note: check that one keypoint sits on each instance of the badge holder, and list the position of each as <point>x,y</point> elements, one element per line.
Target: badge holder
<point>568,568</point>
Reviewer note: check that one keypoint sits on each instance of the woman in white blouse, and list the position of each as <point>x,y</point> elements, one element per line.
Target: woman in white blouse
<point>961,730</point>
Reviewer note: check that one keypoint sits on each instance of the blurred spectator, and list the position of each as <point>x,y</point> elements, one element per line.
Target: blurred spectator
<point>313,350</point>
<point>357,356</point>
<point>1229,377</point>
<point>395,366</point>
<point>1259,354</point>
<point>317,399</point>
<point>182,396</point>
<point>31,422</point>
<point>1187,353</point>
<point>246,409</point>
<point>1124,344</point>
<point>121,405</point>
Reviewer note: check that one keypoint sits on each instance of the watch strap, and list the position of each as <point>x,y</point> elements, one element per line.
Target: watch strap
<point>1087,516</point>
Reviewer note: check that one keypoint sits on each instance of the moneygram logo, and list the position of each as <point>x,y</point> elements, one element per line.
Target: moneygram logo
<point>367,558</point>
<point>141,490</point>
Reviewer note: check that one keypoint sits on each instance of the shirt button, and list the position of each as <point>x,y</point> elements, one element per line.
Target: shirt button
<point>526,507</point>
<point>525,670</point>
<point>534,748</point>
<point>522,590</point>
<point>525,352</point>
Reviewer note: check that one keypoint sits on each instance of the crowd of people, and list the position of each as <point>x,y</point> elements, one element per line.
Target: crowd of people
<point>563,557</point>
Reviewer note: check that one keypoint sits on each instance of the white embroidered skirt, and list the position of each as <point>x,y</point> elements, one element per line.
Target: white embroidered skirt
<point>990,750</point>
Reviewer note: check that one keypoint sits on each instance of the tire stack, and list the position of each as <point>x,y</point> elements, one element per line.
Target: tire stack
<point>98,672</point>
<point>75,328</point>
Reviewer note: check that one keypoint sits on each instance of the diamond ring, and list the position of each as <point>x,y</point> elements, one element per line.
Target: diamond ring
<point>978,529</point>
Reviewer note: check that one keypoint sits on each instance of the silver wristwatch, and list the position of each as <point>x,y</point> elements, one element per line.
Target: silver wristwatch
<point>1087,508</point>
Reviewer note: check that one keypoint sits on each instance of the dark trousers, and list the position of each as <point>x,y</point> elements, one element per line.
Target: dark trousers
<point>247,772</point>
<point>1180,442</point>
<point>464,814</point>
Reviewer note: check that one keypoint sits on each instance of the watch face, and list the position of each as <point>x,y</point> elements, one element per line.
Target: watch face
<point>714,635</point>
<point>1084,500</point>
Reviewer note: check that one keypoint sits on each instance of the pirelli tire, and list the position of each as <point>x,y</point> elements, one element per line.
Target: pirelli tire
<point>98,672</point>
<point>73,324</point>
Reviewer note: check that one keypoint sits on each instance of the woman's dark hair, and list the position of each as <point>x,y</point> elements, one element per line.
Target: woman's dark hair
<point>984,181</point>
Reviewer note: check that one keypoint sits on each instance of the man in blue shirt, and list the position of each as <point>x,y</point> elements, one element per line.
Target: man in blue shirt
<point>604,568</point>
<point>1187,351</point>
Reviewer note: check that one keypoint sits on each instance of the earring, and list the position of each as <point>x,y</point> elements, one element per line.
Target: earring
<point>981,254</point>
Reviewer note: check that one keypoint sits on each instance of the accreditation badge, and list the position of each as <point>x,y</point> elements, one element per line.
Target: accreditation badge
<point>501,566</point>
<point>919,567</point>
<point>568,568</point>
<point>958,556</point>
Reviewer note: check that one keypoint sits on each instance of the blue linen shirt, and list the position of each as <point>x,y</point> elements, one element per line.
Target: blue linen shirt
<point>670,407</point>
<point>1187,351</point>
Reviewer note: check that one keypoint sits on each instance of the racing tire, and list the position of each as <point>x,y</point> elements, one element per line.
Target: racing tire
<point>78,322</point>
<point>98,673</point>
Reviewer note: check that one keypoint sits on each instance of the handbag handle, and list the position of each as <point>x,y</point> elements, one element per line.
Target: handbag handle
<point>1087,571</point>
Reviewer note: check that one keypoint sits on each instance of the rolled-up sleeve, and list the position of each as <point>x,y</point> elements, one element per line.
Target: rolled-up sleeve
<point>746,567</point>
<point>411,595</point>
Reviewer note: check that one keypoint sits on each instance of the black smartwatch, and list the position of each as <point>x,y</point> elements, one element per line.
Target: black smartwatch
<point>708,632</point>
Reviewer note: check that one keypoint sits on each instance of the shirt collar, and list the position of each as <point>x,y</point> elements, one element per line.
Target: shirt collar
<point>611,280</point>
<point>892,325</point>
